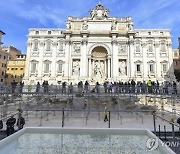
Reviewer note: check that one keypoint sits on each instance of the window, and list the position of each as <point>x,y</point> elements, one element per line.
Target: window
<point>149,33</point>
<point>4,57</point>
<point>46,67</point>
<point>12,76</point>
<point>151,67</point>
<point>164,67</point>
<point>2,64</point>
<point>35,45</point>
<point>163,47</point>
<point>33,67</point>
<point>61,46</point>
<point>0,56</point>
<point>138,48</point>
<point>7,68</point>
<point>16,68</point>
<point>37,32</point>
<point>138,68</point>
<point>2,73</point>
<point>49,32</point>
<point>48,45</point>
<point>60,68</point>
<point>21,68</point>
<point>150,48</point>
<point>12,68</point>
<point>2,80</point>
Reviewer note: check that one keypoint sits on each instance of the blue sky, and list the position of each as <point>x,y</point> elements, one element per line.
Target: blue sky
<point>17,16</point>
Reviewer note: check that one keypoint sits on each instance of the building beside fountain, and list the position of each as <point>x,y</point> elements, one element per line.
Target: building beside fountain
<point>98,48</point>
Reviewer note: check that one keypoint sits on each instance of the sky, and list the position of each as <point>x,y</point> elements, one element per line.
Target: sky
<point>17,16</point>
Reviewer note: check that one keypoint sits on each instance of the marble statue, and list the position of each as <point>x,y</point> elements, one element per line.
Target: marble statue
<point>76,68</point>
<point>113,26</point>
<point>98,69</point>
<point>68,25</point>
<point>122,68</point>
<point>85,26</point>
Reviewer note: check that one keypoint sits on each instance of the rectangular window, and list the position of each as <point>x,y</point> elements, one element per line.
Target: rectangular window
<point>163,47</point>
<point>35,45</point>
<point>61,46</point>
<point>59,68</point>
<point>138,68</point>
<point>150,48</point>
<point>21,68</point>
<point>46,68</point>
<point>164,67</point>
<point>138,48</point>
<point>12,68</point>
<point>48,45</point>
<point>33,67</point>
<point>151,68</point>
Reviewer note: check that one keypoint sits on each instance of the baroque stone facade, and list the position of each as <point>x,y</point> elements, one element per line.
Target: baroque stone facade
<point>98,48</point>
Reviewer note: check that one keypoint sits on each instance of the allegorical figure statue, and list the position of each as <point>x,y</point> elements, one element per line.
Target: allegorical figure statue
<point>98,70</point>
<point>122,68</point>
<point>76,69</point>
<point>85,26</point>
<point>93,13</point>
<point>113,25</point>
<point>68,25</point>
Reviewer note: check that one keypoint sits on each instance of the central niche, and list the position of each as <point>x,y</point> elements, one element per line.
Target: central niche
<point>99,62</point>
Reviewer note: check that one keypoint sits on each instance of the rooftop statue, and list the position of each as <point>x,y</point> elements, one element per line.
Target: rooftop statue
<point>99,12</point>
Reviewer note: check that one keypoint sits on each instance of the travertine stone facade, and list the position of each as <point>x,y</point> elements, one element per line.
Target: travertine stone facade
<point>98,48</point>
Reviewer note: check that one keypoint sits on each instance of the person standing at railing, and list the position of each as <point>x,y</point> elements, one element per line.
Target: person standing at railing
<point>70,88</point>
<point>20,122</point>
<point>21,85</point>
<point>149,85</point>
<point>10,125</point>
<point>97,87</point>
<point>86,86</point>
<point>13,86</point>
<point>38,87</point>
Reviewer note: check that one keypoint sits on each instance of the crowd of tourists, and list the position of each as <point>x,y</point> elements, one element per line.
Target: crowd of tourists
<point>149,87</point>
<point>131,86</point>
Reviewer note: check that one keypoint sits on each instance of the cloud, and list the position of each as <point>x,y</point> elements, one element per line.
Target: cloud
<point>24,14</point>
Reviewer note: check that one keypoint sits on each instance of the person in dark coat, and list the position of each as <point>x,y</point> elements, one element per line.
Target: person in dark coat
<point>20,122</point>
<point>10,125</point>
